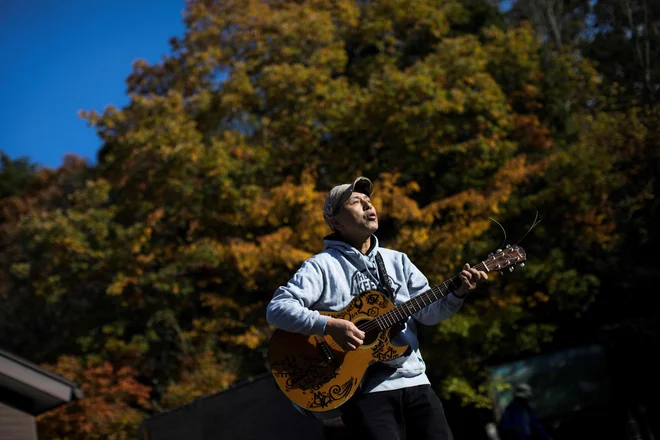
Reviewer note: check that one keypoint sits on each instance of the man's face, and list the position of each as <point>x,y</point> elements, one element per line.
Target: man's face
<point>357,217</point>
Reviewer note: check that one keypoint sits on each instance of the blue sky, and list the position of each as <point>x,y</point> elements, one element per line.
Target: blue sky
<point>62,56</point>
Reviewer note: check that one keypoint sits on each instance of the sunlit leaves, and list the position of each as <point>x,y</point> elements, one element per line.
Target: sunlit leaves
<point>202,375</point>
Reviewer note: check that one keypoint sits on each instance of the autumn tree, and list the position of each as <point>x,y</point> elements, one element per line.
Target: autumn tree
<point>209,186</point>
<point>109,408</point>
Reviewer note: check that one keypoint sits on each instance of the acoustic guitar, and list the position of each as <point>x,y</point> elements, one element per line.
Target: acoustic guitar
<point>318,376</point>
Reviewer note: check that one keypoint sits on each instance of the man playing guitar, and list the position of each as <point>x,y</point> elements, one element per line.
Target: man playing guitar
<point>396,400</point>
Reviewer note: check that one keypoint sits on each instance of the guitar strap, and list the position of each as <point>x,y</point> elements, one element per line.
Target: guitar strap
<point>387,286</point>
<point>384,278</point>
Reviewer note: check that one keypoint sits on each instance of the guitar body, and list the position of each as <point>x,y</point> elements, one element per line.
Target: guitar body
<point>315,373</point>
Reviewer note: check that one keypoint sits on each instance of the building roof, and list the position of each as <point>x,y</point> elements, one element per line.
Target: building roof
<point>254,408</point>
<point>32,389</point>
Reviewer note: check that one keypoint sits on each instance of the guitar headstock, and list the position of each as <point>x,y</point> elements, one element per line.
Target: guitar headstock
<point>507,257</point>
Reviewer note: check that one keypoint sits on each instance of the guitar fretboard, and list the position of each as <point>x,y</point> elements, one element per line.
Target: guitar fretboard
<point>401,312</point>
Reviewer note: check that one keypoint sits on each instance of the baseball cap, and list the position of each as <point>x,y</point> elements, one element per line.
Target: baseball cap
<point>340,193</point>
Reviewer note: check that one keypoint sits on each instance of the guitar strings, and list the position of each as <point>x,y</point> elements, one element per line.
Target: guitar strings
<point>534,223</point>
<point>398,314</point>
<point>402,311</point>
<point>503,230</point>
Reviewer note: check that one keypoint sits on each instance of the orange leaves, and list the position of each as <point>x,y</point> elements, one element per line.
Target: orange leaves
<point>395,201</point>
<point>290,204</point>
<point>262,259</point>
<point>533,135</point>
<point>119,283</point>
<point>598,227</point>
<point>252,338</point>
<point>537,297</point>
<point>247,257</point>
<point>111,398</point>
<point>511,174</point>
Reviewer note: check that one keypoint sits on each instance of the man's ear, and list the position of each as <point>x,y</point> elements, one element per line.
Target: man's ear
<point>335,223</point>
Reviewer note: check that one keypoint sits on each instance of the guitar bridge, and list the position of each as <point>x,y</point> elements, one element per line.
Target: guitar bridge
<point>324,348</point>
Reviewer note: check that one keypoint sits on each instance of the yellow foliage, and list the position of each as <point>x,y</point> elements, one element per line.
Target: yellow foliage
<point>203,375</point>
<point>251,338</point>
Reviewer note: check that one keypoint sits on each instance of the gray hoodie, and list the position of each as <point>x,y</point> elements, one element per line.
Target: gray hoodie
<point>328,281</point>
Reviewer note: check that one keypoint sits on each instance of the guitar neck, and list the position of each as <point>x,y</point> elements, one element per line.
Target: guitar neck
<point>401,312</point>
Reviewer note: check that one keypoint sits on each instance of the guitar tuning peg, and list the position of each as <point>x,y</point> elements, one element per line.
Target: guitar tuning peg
<point>499,250</point>
<point>511,268</point>
<point>508,246</point>
<point>490,255</point>
<point>501,272</point>
<point>521,264</point>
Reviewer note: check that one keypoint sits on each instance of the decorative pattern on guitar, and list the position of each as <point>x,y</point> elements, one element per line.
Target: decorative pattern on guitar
<point>313,370</point>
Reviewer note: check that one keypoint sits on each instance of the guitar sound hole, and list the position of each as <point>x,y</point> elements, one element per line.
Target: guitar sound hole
<point>371,336</point>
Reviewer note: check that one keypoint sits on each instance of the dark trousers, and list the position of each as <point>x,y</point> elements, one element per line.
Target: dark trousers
<point>410,413</point>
